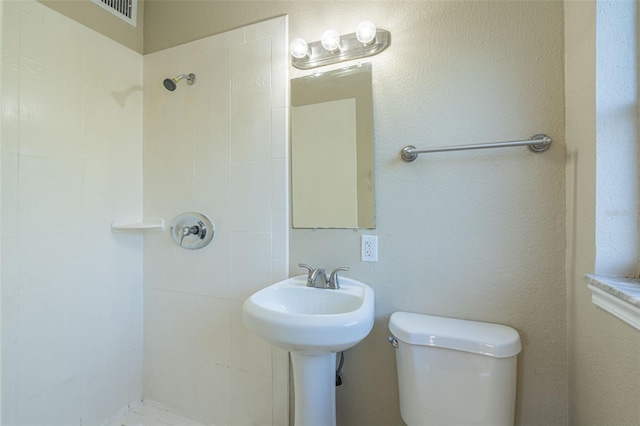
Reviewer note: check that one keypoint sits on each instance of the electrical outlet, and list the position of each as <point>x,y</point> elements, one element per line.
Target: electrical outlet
<point>369,248</point>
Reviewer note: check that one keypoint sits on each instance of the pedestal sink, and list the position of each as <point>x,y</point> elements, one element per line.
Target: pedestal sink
<point>313,324</point>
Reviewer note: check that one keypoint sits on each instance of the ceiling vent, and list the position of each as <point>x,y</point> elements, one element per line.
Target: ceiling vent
<point>123,9</point>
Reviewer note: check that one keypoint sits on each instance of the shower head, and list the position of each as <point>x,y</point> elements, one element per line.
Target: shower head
<point>171,83</point>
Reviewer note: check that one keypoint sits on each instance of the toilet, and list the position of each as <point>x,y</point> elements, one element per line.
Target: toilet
<point>454,372</point>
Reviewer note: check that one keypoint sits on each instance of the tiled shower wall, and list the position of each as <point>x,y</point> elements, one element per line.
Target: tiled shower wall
<point>218,147</point>
<point>72,289</point>
<point>71,155</point>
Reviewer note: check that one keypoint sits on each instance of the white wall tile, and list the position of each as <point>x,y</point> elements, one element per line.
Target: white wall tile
<point>71,299</point>
<point>194,337</point>
<point>56,282</point>
<point>94,350</point>
<point>42,132</point>
<point>211,127</point>
<point>213,190</point>
<point>252,399</point>
<point>110,144</point>
<point>280,363</point>
<point>251,196</point>
<point>280,133</point>
<point>250,263</point>
<point>153,176</point>
<point>135,385</point>
<point>203,272</point>
<point>56,407</point>
<point>157,263</point>
<point>280,64</point>
<point>118,325</point>
<point>250,125</point>
<point>28,8</point>
<point>213,264</point>
<point>135,325</point>
<point>213,395</point>
<point>10,360</point>
<point>64,45</point>
<point>32,32</point>
<point>10,104</point>
<point>10,41</point>
<point>171,379</point>
<point>279,238</point>
<point>105,391</point>
<point>9,415</point>
<point>194,326</point>
<point>249,352</point>
<point>111,264</point>
<point>177,179</point>
<point>95,58</point>
<point>9,279</point>
<point>279,270</point>
<point>50,200</point>
<point>279,183</point>
<point>213,72</point>
<point>86,350</point>
<point>9,195</point>
<point>110,329</point>
<point>251,66</point>
<point>48,352</point>
<point>261,30</point>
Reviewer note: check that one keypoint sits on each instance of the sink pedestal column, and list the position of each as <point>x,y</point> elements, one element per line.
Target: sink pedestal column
<point>314,380</point>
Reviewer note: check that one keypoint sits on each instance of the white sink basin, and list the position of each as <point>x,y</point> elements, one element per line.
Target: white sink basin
<point>313,324</point>
<point>298,318</point>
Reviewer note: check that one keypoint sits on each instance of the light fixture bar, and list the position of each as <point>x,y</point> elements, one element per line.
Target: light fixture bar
<point>350,48</point>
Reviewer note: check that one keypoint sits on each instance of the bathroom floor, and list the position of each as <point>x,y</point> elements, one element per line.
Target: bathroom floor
<point>150,414</point>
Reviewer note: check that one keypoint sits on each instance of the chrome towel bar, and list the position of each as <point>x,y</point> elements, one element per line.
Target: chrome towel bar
<point>538,143</point>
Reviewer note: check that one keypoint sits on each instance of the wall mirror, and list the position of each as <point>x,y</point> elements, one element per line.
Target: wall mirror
<point>332,183</point>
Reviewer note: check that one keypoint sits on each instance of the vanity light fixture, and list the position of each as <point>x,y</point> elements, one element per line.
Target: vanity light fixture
<point>333,48</point>
<point>299,48</point>
<point>330,40</point>
<point>366,32</point>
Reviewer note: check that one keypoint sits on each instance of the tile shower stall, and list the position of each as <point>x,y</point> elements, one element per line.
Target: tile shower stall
<point>94,322</point>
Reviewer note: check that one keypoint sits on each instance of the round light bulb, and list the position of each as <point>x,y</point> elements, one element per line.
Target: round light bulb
<point>299,48</point>
<point>366,32</point>
<point>330,40</point>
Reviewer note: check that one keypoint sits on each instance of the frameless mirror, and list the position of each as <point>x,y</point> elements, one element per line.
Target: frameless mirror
<point>332,149</point>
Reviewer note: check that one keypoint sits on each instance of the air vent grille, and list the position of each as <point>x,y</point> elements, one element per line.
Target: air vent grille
<point>124,9</point>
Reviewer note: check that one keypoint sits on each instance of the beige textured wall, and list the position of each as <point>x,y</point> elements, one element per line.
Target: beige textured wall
<point>100,20</point>
<point>476,235</point>
<point>604,378</point>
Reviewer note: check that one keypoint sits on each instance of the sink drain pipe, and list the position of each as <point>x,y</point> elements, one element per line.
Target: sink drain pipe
<point>339,370</point>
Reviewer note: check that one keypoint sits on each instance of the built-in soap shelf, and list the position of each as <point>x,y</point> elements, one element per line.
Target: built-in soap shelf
<point>146,224</point>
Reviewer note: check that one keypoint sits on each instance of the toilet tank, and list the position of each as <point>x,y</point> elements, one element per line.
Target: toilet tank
<point>455,372</point>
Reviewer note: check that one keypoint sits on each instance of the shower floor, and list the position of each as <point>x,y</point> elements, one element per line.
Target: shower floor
<point>152,414</point>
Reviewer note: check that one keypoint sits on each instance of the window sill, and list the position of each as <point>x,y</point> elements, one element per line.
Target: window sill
<point>618,296</point>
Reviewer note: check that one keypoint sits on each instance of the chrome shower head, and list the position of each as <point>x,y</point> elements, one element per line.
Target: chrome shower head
<point>171,83</point>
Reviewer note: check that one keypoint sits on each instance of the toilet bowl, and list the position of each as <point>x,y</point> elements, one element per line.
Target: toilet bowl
<point>454,372</point>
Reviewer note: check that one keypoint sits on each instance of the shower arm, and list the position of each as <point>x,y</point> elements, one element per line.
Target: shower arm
<point>191,78</point>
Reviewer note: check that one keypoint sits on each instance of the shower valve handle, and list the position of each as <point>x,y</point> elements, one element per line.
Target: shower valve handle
<point>191,230</point>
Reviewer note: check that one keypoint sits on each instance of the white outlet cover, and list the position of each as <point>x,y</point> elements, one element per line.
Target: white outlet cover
<point>369,248</point>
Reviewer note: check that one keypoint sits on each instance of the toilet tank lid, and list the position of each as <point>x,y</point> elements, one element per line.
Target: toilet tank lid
<point>495,340</point>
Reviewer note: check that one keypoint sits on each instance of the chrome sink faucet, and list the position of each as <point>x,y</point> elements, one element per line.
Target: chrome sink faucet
<point>334,282</point>
<point>318,278</point>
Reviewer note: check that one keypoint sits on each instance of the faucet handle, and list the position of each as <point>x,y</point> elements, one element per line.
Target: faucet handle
<point>309,268</point>
<point>334,282</point>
